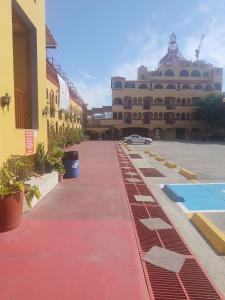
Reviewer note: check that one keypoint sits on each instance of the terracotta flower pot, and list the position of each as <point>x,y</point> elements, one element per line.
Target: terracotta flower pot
<point>60,177</point>
<point>11,208</point>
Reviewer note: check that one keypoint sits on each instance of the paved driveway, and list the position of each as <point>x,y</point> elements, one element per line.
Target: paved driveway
<point>206,159</point>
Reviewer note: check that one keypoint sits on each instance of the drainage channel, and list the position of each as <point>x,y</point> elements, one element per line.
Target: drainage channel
<point>191,282</point>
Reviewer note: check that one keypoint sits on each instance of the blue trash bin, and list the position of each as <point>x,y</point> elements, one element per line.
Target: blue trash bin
<point>71,164</point>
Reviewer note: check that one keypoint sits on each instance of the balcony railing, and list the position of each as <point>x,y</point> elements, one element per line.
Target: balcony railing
<point>127,121</point>
<point>170,106</point>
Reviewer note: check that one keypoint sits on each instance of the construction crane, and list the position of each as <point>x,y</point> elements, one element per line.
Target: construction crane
<point>197,51</point>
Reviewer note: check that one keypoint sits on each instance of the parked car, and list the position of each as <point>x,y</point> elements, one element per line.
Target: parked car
<point>134,138</point>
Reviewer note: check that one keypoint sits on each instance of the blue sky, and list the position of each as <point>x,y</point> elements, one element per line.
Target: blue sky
<point>98,39</point>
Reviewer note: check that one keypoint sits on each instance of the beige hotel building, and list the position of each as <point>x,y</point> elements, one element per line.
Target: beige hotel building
<point>160,104</point>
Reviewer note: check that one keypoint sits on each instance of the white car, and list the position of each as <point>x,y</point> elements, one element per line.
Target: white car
<point>134,138</point>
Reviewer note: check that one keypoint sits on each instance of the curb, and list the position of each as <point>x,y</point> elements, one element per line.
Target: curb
<point>211,233</point>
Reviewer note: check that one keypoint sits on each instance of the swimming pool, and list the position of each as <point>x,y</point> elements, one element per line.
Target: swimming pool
<point>198,197</point>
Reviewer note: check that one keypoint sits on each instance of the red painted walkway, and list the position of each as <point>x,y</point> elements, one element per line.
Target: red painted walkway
<point>78,243</point>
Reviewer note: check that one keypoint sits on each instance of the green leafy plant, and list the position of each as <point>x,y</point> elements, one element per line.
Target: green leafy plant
<point>40,158</point>
<point>14,176</point>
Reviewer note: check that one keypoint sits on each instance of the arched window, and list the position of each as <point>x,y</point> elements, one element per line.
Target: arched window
<point>46,93</point>
<point>195,73</point>
<point>178,101</point>
<point>134,116</point>
<point>120,116</point>
<point>139,116</point>
<point>217,86</point>
<point>171,86</point>
<point>160,116</point>
<point>56,127</point>
<point>118,85</point>
<point>208,87</point>
<point>186,87</point>
<point>156,116</point>
<point>182,116</point>
<point>117,101</point>
<point>115,115</point>
<point>158,101</point>
<point>52,102</point>
<point>184,73</point>
<point>169,72</point>
<point>139,101</point>
<point>198,87</point>
<point>188,116</point>
<point>135,102</point>
<point>56,99</point>
<point>177,116</point>
<point>206,74</point>
<point>143,86</point>
<point>183,101</point>
<point>128,102</point>
<point>188,101</point>
<point>158,87</point>
<point>129,85</point>
<point>142,77</point>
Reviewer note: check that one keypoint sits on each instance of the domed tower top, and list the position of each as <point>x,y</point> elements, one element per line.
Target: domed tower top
<point>173,55</point>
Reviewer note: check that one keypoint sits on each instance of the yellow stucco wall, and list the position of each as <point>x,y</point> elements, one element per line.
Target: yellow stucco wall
<point>51,87</point>
<point>12,140</point>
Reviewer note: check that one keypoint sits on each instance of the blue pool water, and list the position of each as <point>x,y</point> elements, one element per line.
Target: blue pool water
<point>198,196</point>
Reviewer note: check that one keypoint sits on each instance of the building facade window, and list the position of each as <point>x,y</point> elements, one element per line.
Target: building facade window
<point>129,85</point>
<point>186,87</point>
<point>184,73</point>
<point>118,85</point>
<point>158,87</point>
<point>195,73</point>
<point>117,101</point>
<point>143,86</point>
<point>158,101</point>
<point>198,87</point>
<point>208,87</point>
<point>177,116</point>
<point>171,86</point>
<point>114,115</point>
<point>120,116</point>
<point>169,72</point>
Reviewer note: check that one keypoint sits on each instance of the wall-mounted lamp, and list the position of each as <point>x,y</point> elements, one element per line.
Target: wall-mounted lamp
<point>5,100</point>
<point>45,111</point>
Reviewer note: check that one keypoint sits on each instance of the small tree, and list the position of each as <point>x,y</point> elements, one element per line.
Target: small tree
<point>211,109</point>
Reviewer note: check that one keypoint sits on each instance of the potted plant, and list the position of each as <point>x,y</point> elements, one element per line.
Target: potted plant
<point>40,158</point>
<point>60,169</point>
<point>14,176</point>
<point>49,161</point>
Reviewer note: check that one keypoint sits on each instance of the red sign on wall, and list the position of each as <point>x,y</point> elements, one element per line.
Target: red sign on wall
<point>29,142</point>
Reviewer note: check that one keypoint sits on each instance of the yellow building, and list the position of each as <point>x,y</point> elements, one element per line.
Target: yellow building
<point>58,116</point>
<point>161,103</point>
<point>24,92</point>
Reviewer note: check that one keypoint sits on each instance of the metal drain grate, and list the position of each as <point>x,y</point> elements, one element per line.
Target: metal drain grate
<point>196,283</point>
<point>167,238</point>
<point>151,172</point>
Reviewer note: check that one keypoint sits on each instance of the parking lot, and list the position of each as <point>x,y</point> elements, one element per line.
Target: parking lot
<point>207,159</point>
